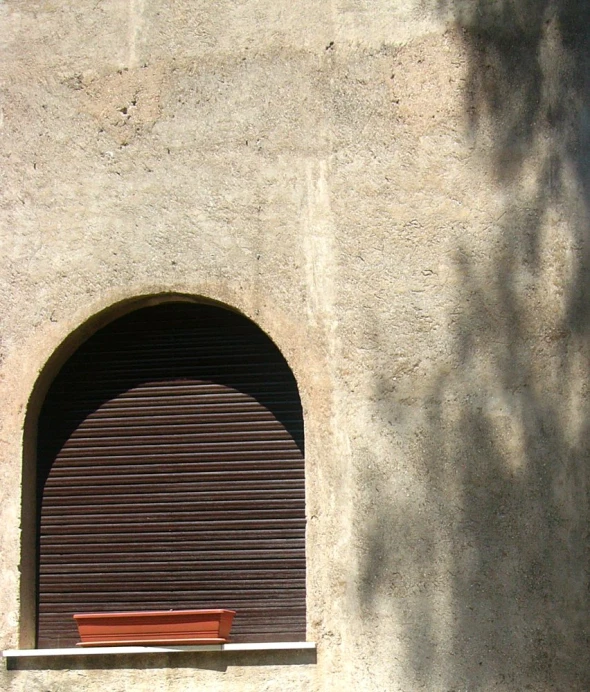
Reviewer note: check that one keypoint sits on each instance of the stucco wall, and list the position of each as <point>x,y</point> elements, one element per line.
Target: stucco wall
<point>396,191</point>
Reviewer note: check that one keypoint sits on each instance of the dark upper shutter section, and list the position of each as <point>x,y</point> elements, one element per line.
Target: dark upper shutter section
<point>171,476</point>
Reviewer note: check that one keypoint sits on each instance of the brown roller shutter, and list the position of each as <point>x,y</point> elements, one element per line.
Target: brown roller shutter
<point>171,476</point>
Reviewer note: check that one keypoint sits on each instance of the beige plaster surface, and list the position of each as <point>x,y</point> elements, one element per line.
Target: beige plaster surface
<point>396,191</point>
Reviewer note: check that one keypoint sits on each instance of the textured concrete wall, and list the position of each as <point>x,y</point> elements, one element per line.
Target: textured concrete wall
<point>397,192</point>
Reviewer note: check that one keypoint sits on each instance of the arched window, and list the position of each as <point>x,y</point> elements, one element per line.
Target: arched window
<point>171,476</point>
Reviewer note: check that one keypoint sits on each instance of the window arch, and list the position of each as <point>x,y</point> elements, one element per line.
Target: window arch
<point>170,475</point>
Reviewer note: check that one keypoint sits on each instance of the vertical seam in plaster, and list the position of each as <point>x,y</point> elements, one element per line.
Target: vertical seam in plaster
<point>136,8</point>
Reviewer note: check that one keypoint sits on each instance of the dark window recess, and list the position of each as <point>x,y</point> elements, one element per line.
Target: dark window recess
<point>171,476</point>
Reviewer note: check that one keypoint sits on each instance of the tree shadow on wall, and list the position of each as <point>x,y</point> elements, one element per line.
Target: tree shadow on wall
<point>485,576</point>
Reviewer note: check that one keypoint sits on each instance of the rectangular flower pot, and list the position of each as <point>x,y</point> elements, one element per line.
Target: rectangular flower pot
<point>154,627</point>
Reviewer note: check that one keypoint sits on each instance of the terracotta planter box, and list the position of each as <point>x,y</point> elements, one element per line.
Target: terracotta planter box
<point>155,627</point>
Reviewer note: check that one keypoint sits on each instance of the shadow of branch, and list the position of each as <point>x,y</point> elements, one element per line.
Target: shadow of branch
<point>484,575</point>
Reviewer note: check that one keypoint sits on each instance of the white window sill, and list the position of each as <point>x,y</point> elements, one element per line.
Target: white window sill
<point>169,649</point>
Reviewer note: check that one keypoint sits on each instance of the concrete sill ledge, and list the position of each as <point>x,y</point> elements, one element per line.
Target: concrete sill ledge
<point>126,650</point>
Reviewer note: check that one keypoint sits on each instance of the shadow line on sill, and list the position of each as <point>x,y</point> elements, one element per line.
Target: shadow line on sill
<point>206,660</point>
